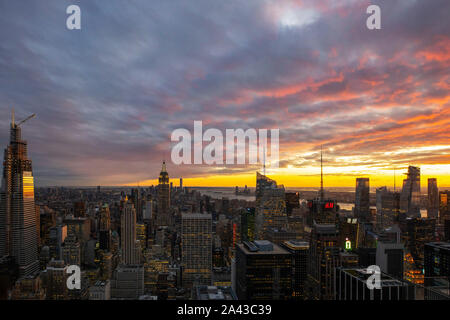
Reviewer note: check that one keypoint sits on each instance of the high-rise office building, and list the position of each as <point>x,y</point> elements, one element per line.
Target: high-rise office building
<point>148,209</point>
<point>388,208</point>
<point>57,237</point>
<point>163,217</point>
<point>28,288</point>
<point>299,251</point>
<point>362,200</point>
<point>128,235</point>
<point>270,206</point>
<point>105,228</point>
<point>447,230</point>
<point>71,252</point>
<point>390,253</point>
<point>410,196</point>
<point>349,233</point>
<point>136,198</point>
<point>444,206</point>
<point>56,280</point>
<point>196,248</point>
<point>128,282</point>
<point>292,201</point>
<point>263,271</point>
<point>262,182</point>
<point>433,198</point>
<point>81,227</point>
<point>18,225</point>
<point>101,290</point>
<point>437,262</point>
<point>416,233</point>
<point>323,258</point>
<point>248,224</point>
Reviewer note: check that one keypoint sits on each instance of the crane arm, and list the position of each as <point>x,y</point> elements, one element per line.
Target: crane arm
<point>26,119</point>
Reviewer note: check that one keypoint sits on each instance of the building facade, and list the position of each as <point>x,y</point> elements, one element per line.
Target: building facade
<point>18,224</point>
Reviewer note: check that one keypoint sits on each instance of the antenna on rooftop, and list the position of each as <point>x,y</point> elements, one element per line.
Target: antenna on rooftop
<point>321,174</point>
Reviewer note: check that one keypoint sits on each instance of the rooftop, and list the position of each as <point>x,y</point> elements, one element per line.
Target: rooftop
<point>296,244</point>
<point>363,274</point>
<point>440,245</point>
<point>215,293</point>
<point>261,247</point>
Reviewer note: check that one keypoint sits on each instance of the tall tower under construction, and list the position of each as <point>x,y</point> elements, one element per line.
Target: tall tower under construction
<point>18,231</point>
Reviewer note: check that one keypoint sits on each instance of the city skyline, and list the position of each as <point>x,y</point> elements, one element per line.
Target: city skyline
<point>108,97</point>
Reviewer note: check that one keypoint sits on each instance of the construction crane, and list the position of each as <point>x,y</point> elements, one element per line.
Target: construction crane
<point>26,119</point>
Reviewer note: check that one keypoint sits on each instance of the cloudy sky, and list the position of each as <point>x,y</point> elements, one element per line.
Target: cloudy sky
<point>108,97</point>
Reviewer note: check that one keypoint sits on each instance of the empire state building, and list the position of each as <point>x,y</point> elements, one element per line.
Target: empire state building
<point>163,216</point>
<point>18,232</point>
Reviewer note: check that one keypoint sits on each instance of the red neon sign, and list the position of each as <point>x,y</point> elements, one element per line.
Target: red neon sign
<point>329,205</point>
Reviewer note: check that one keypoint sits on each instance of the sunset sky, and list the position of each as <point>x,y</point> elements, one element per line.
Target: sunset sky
<point>108,97</point>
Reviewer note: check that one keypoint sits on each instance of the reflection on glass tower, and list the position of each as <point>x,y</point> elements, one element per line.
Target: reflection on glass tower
<point>18,232</point>
<point>410,197</point>
<point>270,206</point>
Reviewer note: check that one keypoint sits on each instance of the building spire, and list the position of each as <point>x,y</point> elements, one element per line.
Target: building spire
<point>13,123</point>
<point>321,174</point>
<point>164,169</point>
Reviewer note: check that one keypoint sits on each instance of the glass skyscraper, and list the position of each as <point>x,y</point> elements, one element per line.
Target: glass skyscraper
<point>410,196</point>
<point>18,232</point>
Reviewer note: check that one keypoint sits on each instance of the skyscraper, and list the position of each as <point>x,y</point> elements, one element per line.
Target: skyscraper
<point>136,198</point>
<point>444,206</point>
<point>163,217</point>
<point>292,201</point>
<point>433,198</point>
<point>128,235</point>
<point>263,271</point>
<point>56,282</point>
<point>270,206</point>
<point>262,182</point>
<point>18,232</point>
<point>300,255</point>
<point>436,262</point>
<point>324,257</point>
<point>410,196</point>
<point>196,251</point>
<point>105,228</point>
<point>390,252</point>
<point>388,208</point>
<point>362,200</point>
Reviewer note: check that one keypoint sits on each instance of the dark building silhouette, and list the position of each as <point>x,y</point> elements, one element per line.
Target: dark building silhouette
<point>436,262</point>
<point>292,201</point>
<point>299,251</point>
<point>324,257</point>
<point>263,271</point>
<point>362,200</point>
<point>433,199</point>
